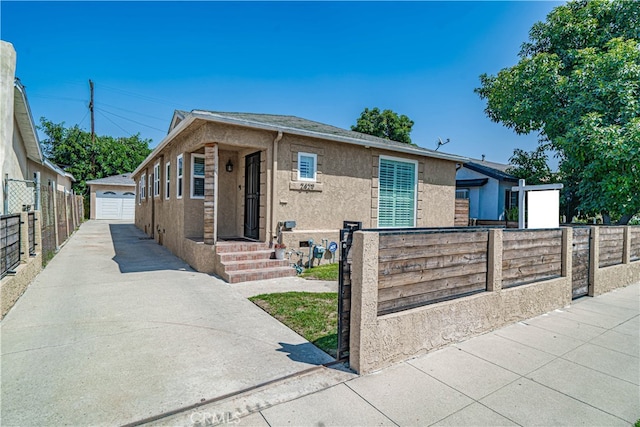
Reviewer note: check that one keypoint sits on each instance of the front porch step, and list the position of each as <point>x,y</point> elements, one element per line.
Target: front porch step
<point>227,247</point>
<point>258,274</point>
<point>255,264</point>
<point>227,257</point>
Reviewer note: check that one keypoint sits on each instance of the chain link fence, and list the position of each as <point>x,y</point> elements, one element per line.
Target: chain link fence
<point>21,196</point>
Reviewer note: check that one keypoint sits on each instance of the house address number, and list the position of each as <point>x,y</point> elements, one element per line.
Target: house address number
<point>305,186</point>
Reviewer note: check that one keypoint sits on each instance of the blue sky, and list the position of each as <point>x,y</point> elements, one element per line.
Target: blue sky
<point>324,61</point>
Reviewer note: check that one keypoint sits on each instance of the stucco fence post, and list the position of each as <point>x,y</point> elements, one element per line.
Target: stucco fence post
<point>364,299</point>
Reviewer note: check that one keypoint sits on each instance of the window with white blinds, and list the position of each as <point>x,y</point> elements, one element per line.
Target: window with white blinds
<point>197,176</point>
<point>397,185</point>
<point>307,166</point>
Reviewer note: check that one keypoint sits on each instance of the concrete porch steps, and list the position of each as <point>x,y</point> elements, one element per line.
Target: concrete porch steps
<point>258,274</point>
<point>249,261</point>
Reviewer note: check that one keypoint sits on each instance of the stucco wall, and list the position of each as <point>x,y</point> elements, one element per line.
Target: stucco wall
<point>8,162</point>
<point>346,187</point>
<point>378,341</point>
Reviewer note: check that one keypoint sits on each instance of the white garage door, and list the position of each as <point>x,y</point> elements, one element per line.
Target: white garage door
<point>115,205</point>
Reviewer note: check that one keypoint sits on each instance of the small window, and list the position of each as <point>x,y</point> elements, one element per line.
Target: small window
<point>179,173</point>
<point>307,166</point>
<point>167,180</point>
<point>462,193</point>
<point>156,180</point>
<point>197,176</point>
<point>143,186</point>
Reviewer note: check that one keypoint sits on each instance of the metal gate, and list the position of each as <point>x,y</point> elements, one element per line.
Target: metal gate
<point>580,260</point>
<point>344,288</point>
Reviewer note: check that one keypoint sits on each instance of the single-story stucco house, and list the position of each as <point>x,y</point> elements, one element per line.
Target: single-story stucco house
<point>218,178</point>
<point>487,185</point>
<point>113,197</point>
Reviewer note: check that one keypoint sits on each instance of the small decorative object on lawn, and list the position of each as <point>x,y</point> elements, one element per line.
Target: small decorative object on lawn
<point>280,247</point>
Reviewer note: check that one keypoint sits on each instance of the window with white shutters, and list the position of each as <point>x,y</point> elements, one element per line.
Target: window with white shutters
<point>397,184</point>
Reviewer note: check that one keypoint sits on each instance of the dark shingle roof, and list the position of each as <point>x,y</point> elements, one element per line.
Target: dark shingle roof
<point>293,123</point>
<point>489,169</point>
<point>122,180</point>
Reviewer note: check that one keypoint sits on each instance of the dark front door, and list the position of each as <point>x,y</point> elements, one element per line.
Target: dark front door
<point>252,196</point>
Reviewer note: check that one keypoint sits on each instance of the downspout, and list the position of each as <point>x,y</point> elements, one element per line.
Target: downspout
<point>274,191</point>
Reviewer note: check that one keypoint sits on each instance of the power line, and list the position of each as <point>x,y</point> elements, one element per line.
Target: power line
<point>135,112</point>
<point>106,117</point>
<point>131,120</point>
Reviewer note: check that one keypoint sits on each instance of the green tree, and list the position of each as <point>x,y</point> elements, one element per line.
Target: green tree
<point>531,166</point>
<point>73,149</point>
<point>385,124</point>
<point>578,84</point>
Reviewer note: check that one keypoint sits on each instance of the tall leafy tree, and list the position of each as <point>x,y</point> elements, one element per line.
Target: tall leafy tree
<point>73,149</point>
<point>385,124</point>
<point>578,84</point>
<point>531,166</point>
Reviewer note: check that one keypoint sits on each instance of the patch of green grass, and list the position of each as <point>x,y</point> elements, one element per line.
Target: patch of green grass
<point>637,424</point>
<point>321,272</point>
<point>312,315</point>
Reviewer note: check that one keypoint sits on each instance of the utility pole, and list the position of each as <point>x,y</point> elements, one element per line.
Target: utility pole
<point>93,123</point>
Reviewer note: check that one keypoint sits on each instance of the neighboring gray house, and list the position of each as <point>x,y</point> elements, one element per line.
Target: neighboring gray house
<point>487,185</point>
<point>113,197</point>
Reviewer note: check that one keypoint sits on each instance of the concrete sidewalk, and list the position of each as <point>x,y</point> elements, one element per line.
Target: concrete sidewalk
<point>576,366</point>
<point>116,329</point>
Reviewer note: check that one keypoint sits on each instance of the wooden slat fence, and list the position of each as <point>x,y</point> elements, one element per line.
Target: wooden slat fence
<point>634,235</point>
<point>580,261</point>
<point>530,255</point>
<point>47,222</point>
<point>461,218</point>
<point>9,243</point>
<point>611,246</point>
<point>420,268</point>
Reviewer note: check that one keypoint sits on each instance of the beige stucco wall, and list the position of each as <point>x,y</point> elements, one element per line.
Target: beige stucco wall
<point>606,279</point>
<point>9,163</point>
<point>378,341</point>
<point>347,180</point>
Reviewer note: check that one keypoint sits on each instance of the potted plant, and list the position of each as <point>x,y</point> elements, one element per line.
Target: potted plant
<point>279,248</point>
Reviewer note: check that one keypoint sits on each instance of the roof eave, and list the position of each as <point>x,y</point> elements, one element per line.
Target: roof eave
<point>25,121</point>
<point>409,149</point>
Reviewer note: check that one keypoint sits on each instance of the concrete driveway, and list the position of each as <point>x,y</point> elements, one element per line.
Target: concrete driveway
<point>116,329</point>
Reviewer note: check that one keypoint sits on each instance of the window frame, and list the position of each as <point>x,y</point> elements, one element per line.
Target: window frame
<point>143,187</point>
<point>156,179</point>
<point>179,175</point>
<point>193,176</point>
<point>167,180</point>
<point>315,166</point>
<point>412,162</point>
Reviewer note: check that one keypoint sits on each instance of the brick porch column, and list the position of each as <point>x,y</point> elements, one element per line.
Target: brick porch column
<point>210,190</point>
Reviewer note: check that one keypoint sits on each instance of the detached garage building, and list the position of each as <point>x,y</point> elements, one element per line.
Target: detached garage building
<point>113,197</point>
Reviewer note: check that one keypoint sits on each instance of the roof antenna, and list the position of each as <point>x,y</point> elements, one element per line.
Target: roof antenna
<point>440,143</point>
